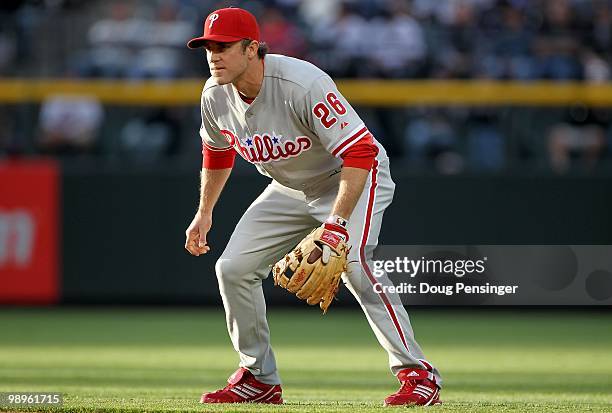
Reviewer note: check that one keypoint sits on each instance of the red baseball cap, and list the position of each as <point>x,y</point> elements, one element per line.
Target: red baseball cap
<point>227,25</point>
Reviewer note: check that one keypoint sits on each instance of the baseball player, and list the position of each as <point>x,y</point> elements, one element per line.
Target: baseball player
<point>287,117</point>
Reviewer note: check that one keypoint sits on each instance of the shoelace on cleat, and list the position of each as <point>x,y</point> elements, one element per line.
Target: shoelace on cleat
<point>409,385</point>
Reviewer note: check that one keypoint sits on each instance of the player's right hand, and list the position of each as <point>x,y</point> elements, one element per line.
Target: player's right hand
<point>195,236</point>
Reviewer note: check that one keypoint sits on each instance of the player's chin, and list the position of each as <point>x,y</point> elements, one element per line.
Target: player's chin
<point>220,76</point>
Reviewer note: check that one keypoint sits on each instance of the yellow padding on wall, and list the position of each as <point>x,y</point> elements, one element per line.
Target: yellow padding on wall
<point>380,93</point>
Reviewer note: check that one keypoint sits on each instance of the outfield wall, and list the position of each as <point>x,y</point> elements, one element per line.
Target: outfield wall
<point>104,235</point>
<point>123,233</point>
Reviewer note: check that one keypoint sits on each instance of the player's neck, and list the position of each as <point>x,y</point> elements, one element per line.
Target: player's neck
<point>249,83</point>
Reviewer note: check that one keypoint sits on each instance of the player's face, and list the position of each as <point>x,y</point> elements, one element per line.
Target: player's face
<point>227,61</point>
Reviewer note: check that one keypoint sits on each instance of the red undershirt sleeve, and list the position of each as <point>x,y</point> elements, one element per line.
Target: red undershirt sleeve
<point>361,154</point>
<point>213,158</point>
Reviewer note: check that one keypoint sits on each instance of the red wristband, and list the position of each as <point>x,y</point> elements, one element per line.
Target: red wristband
<point>338,229</point>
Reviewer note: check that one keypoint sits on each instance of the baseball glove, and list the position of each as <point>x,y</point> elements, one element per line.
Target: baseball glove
<point>312,270</point>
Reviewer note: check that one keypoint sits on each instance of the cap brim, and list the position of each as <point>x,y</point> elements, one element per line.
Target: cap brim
<point>200,41</point>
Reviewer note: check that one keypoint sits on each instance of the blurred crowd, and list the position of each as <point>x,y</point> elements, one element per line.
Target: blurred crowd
<point>498,39</point>
<point>493,39</point>
<point>440,39</point>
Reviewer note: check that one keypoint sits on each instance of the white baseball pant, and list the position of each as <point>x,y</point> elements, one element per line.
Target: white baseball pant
<point>273,224</point>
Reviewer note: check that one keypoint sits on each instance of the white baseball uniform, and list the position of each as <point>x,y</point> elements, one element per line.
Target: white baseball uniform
<point>295,132</point>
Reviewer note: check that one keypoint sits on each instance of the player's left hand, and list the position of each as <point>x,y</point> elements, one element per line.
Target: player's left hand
<point>338,230</point>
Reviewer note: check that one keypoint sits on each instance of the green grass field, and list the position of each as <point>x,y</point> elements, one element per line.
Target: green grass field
<point>121,360</point>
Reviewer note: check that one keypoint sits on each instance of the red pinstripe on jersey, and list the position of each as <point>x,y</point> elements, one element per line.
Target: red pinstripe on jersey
<point>212,148</point>
<point>362,256</point>
<point>351,139</point>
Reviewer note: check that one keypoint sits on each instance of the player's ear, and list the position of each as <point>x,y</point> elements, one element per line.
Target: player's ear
<point>252,49</point>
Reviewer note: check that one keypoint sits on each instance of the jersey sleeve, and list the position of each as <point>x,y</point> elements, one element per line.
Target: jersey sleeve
<point>209,131</point>
<point>216,151</point>
<point>329,115</point>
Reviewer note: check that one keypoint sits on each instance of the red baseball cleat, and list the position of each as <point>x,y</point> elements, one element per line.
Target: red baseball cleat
<point>418,388</point>
<point>243,387</point>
